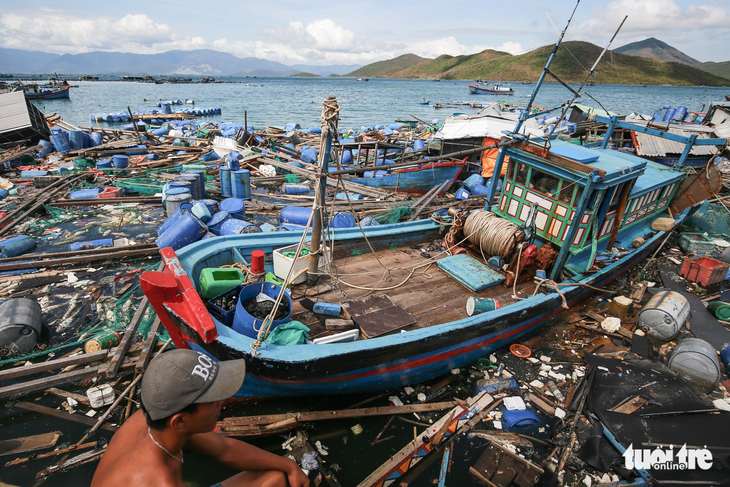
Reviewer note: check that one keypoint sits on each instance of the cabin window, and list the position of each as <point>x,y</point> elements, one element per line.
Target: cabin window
<point>521,174</point>
<point>566,191</point>
<point>578,194</point>
<point>543,182</point>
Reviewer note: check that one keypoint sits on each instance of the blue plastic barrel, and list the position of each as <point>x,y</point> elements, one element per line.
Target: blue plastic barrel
<point>309,155</point>
<point>4,193</point>
<point>170,190</point>
<point>267,227</point>
<point>296,188</point>
<point>186,230</point>
<point>160,131</point>
<point>462,194</point>
<point>235,206</point>
<point>95,138</point>
<point>201,210</point>
<point>249,325</point>
<point>669,114</point>
<point>212,206</point>
<point>200,175</point>
<point>83,194</point>
<point>369,221</point>
<point>76,139</point>
<point>241,184</point>
<point>211,156</point>
<point>725,357</point>
<point>47,148</point>
<point>418,144</point>
<point>60,142</point>
<point>214,225</point>
<point>91,244</point>
<point>295,214</point>
<point>343,220</point>
<point>32,173</point>
<point>479,189</point>
<point>346,157</point>
<point>120,161</point>
<point>165,108</point>
<point>344,196</point>
<point>15,246</point>
<point>184,208</point>
<point>104,164</point>
<point>225,179</point>
<point>472,180</point>
<point>174,201</point>
<point>191,182</point>
<point>234,226</point>
<point>680,113</point>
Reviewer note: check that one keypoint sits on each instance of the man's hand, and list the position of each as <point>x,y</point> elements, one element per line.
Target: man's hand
<point>296,476</point>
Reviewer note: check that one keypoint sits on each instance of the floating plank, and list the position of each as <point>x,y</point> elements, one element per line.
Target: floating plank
<point>29,443</point>
<point>76,418</point>
<point>52,364</point>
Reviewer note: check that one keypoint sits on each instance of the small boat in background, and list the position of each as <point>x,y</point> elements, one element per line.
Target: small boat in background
<point>425,102</point>
<point>34,91</point>
<point>363,79</point>
<point>480,88</point>
<point>727,97</point>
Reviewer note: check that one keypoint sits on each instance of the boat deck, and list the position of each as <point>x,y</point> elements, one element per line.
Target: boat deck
<point>429,294</point>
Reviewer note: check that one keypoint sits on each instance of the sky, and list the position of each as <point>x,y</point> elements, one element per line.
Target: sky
<point>357,32</point>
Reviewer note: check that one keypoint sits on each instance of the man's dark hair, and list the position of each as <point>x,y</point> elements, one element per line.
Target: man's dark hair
<point>161,424</point>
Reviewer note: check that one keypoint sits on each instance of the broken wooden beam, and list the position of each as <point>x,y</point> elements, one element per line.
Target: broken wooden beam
<point>76,418</point>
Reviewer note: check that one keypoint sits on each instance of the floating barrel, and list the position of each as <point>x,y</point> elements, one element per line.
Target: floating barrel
<point>91,244</point>
<point>664,315</point>
<point>186,230</point>
<point>248,325</point>
<point>165,108</point>
<point>103,164</point>
<point>418,144</point>
<point>47,148</point>
<point>171,189</point>
<point>191,182</point>
<point>174,201</point>
<point>669,114</point>
<point>235,206</point>
<point>295,214</point>
<point>462,194</point>
<point>120,161</point>
<point>182,209</point>
<point>20,325</point>
<point>212,205</point>
<point>296,188</point>
<point>680,114</point>
<point>696,362</point>
<point>241,184</point>
<point>479,189</point>
<point>84,194</point>
<point>234,226</point>
<point>225,179</point>
<point>211,156</point>
<point>309,155</point>
<point>76,139</point>
<point>343,220</point>
<point>214,225</point>
<point>346,157</point>
<point>15,246</point>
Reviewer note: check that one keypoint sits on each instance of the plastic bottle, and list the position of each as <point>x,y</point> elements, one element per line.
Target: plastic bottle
<point>556,392</point>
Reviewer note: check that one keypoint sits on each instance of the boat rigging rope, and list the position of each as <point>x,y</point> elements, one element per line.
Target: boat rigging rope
<point>330,115</point>
<point>492,234</point>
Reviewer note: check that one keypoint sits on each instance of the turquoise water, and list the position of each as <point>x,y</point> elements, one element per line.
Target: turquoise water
<point>278,101</point>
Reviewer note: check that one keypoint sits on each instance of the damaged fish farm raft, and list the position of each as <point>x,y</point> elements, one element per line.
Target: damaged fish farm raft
<point>416,320</point>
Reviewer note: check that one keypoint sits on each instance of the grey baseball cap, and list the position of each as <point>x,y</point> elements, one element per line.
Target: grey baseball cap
<point>178,378</point>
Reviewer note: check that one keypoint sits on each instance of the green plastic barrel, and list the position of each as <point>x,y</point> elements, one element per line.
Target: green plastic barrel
<point>720,310</point>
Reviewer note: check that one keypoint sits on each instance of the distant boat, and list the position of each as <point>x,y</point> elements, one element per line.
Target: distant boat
<point>363,79</point>
<point>727,97</point>
<point>425,102</point>
<point>480,88</point>
<point>33,91</point>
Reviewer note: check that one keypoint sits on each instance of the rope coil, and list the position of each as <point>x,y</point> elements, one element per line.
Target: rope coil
<point>492,234</point>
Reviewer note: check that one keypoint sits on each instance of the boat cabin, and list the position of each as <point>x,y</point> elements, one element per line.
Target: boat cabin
<point>582,196</point>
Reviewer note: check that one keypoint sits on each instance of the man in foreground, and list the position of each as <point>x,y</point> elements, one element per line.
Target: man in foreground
<point>183,392</point>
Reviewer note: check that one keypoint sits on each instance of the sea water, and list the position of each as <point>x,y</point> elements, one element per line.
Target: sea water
<point>281,101</point>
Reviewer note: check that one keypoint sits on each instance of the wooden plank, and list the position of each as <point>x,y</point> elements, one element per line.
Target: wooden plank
<point>65,394</point>
<point>76,418</point>
<point>52,365</point>
<point>46,382</point>
<point>20,461</point>
<point>29,443</point>
<point>149,344</point>
<point>336,414</point>
<point>126,341</point>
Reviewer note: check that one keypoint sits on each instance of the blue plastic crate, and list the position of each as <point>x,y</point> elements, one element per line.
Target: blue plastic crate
<point>225,316</point>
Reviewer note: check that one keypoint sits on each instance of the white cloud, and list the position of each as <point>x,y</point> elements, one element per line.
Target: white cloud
<point>58,33</point>
<point>650,18</point>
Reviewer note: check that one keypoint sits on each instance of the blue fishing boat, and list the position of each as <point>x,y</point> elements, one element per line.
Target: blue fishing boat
<point>418,308</point>
<point>55,90</point>
<point>418,179</point>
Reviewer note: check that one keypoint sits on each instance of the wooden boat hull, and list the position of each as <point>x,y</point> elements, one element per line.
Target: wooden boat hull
<point>49,95</point>
<point>362,366</point>
<point>416,180</point>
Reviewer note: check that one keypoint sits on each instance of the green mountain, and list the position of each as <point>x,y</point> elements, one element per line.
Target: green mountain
<point>718,69</point>
<point>654,48</point>
<point>571,65</point>
<point>386,69</point>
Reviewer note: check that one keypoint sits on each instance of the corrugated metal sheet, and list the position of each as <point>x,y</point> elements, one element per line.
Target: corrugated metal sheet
<point>484,126</point>
<point>13,112</point>
<point>651,146</point>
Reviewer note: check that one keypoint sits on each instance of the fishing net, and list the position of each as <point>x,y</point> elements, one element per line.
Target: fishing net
<point>393,215</point>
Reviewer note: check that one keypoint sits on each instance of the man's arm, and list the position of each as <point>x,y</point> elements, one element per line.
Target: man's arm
<point>238,455</point>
